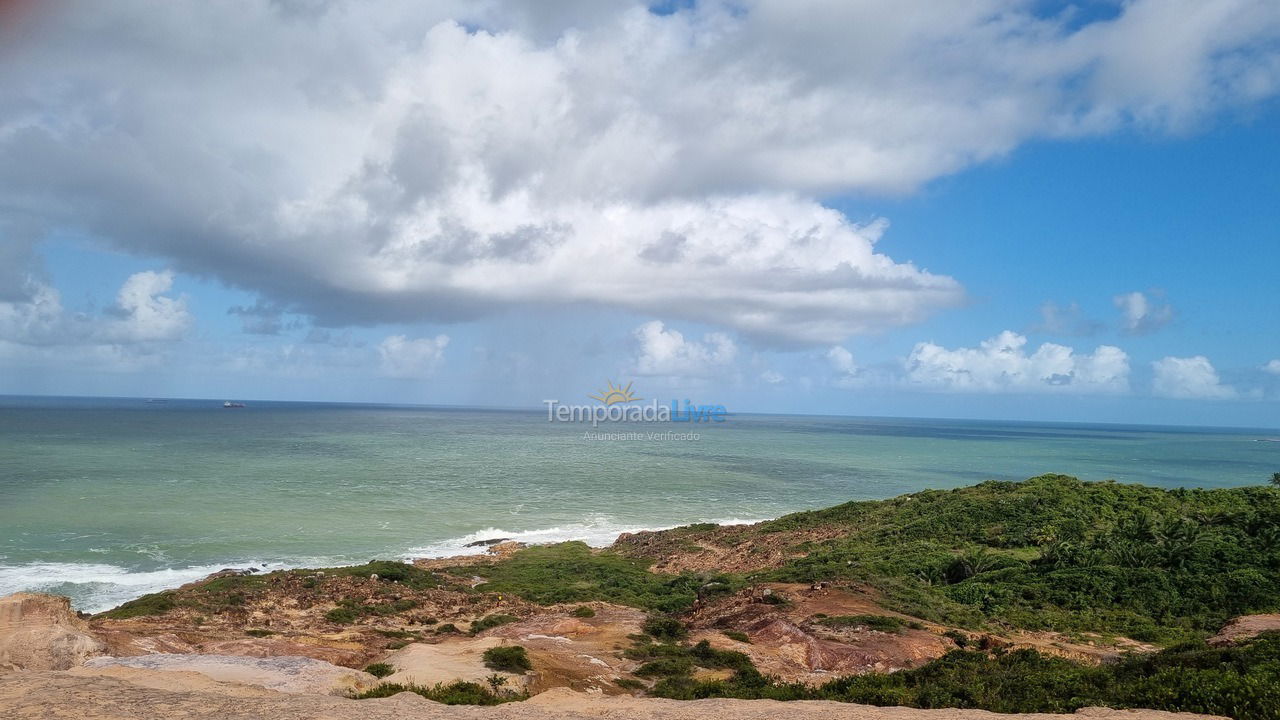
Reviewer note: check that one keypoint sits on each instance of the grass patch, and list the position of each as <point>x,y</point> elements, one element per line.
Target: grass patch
<point>491,621</point>
<point>571,572</point>
<point>454,693</point>
<point>583,611</point>
<point>380,670</point>
<point>736,635</point>
<point>661,627</point>
<point>507,658</point>
<point>388,571</point>
<point>153,604</point>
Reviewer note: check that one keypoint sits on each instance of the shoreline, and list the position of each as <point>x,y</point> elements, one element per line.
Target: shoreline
<point>65,578</point>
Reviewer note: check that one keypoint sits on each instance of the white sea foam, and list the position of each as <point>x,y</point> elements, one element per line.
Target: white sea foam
<point>596,532</point>
<point>94,587</point>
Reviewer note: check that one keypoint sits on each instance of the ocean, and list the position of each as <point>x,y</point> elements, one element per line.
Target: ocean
<point>107,499</point>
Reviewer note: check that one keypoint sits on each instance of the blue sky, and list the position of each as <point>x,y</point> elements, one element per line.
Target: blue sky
<point>1116,233</point>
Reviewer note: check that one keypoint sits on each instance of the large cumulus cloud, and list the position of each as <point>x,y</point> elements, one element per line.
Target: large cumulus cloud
<point>381,161</point>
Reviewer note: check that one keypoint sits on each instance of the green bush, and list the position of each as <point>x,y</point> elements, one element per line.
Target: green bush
<point>341,616</point>
<point>662,627</point>
<point>508,658</point>
<point>1242,682</point>
<point>735,635</point>
<point>491,621</point>
<point>455,693</point>
<point>380,670</point>
<point>583,611</point>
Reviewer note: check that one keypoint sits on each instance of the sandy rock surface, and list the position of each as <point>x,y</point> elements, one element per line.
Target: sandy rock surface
<point>298,675</point>
<point>174,696</point>
<point>1244,628</point>
<point>40,632</point>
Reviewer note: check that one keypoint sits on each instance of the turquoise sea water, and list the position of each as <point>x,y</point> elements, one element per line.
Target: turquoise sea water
<point>106,499</point>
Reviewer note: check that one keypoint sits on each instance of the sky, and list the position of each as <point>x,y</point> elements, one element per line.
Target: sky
<point>1004,209</point>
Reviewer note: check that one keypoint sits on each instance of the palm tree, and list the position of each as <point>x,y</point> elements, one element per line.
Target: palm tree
<point>1275,479</point>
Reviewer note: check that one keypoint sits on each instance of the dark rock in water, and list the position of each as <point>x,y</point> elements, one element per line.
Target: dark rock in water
<point>486,543</point>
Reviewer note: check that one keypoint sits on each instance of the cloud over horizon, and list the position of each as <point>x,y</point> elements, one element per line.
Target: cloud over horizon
<point>387,162</point>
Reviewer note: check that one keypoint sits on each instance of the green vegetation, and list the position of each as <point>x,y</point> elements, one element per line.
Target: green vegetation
<point>583,611</point>
<point>508,658</point>
<point>1054,553</point>
<point>739,636</point>
<point>455,693</point>
<point>491,621</point>
<point>883,623</point>
<point>661,627</point>
<point>447,629</point>
<point>380,670</point>
<point>153,604</point>
<point>259,632</point>
<point>389,571</point>
<point>570,572</point>
<point>341,616</point>
<point>1242,682</point>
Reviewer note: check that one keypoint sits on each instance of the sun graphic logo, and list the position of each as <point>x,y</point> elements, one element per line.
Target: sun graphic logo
<point>615,395</point>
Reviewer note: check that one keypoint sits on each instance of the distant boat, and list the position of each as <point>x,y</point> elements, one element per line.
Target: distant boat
<point>229,404</point>
<point>156,400</point>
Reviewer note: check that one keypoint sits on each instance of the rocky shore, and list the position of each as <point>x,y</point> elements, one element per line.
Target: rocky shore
<point>565,631</point>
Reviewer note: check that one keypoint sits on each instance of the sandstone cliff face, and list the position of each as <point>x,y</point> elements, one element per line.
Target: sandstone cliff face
<point>40,632</point>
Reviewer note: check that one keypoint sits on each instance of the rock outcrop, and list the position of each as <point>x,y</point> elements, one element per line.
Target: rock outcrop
<point>295,675</point>
<point>1244,628</point>
<point>40,632</point>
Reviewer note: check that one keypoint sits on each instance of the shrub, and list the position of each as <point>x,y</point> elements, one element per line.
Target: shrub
<point>662,627</point>
<point>491,621</point>
<point>258,632</point>
<point>508,658</point>
<point>380,670</point>
<point>341,616</point>
<point>736,635</point>
<point>583,611</point>
<point>447,629</point>
<point>455,693</point>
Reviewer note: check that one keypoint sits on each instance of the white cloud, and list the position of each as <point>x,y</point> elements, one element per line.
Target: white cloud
<point>1272,367</point>
<point>407,161</point>
<point>144,313</point>
<point>667,353</point>
<point>1141,314</point>
<point>130,334</point>
<point>403,357</point>
<point>772,377</point>
<point>847,372</point>
<point>1001,364</point>
<point>1189,378</point>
